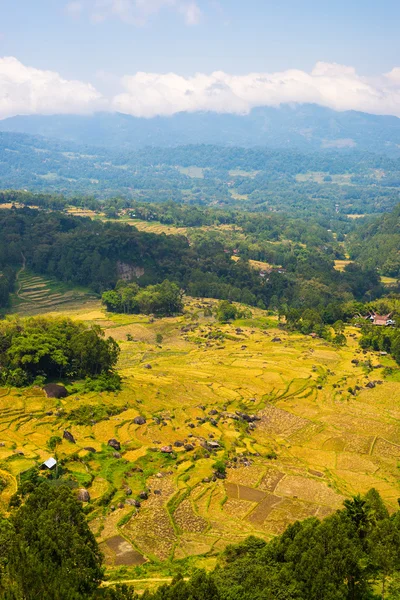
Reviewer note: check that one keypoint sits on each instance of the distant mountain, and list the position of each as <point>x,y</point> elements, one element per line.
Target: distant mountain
<point>305,127</point>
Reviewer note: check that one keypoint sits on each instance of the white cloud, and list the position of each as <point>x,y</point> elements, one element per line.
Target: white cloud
<point>25,90</point>
<point>332,85</point>
<point>136,12</point>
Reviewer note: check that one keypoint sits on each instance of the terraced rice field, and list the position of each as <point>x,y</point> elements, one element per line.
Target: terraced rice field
<point>36,294</point>
<point>313,444</point>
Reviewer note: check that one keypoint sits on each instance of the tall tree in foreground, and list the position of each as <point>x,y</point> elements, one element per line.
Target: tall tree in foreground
<point>47,550</point>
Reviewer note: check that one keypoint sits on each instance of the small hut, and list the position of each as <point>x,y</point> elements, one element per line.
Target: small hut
<point>49,464</point>
<point>54,390</point>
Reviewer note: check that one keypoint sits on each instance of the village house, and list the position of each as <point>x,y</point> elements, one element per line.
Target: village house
<point>381,320</point>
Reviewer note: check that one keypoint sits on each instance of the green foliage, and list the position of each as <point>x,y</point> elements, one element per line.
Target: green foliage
<point>385,339</point>
<point>91,253</point>
<point>220,467</point>
<point>105,382</point>
<point>339,339</point>
<point>53,348</point>
<point>377,243</point>
<point>226,311</point>
<point>53,442</point>
<point>47,550</point>
<point>87,413</point>
<point>163,300</point>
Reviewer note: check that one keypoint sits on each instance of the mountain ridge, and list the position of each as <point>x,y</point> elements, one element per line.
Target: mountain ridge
<point>306,127</point>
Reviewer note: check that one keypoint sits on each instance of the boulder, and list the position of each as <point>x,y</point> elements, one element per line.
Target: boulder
<point>189,447</point>
<point>116,455</point>
<point>83,495</point>
<point>90,449</point>
<point>67,435</point>
<point>143,495</point>
<point>166,449</point>
<point>139,420</point>
<point>148,366</point>
<point>114,444</point>
<point>213,445</point>
<point>178,444</point>
<point>128,492</point>
<point>53,390</point>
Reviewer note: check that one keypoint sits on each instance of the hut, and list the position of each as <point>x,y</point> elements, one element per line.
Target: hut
<point>54,390</point>
<point>49,464</point>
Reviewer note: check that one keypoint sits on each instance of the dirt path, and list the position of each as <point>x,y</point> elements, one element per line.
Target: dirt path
<point>151,580</point>
<point>21,270</point>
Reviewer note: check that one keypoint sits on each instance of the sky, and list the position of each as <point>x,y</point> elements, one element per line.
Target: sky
<point>159,57</point>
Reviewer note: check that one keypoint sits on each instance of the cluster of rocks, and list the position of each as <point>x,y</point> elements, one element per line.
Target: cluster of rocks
<point>372,384</point>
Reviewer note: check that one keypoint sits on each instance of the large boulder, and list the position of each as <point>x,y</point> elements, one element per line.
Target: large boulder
<point>53,390</point>
<point>114,444</point>
<point>83,495</point>
<point>67,435</point>
<point>139,420</point>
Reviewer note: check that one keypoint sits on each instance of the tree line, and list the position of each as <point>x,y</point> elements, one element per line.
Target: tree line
<point>48,551</point>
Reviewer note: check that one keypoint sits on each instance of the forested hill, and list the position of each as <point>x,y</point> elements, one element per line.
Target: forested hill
<point>306,127</point>
<point>82,251</point>
<point>263,179</point>
<point>377,243</point>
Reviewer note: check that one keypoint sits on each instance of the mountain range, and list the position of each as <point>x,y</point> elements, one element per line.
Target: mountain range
<point>306,127</point>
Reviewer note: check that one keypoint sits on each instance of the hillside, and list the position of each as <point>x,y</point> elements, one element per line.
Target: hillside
<point>311,444</point>
<point>377,243</point>
<point>304,126</point>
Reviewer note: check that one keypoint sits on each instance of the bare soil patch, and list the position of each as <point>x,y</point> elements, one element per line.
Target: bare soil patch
<point>124,552</point>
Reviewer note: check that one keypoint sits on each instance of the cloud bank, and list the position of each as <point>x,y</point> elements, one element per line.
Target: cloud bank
<point>335,86</point>
<point>26,90</point>
<point>135,12</point>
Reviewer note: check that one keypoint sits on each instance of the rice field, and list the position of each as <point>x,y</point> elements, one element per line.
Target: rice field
<point>36,294</point>
<point>158,498</point>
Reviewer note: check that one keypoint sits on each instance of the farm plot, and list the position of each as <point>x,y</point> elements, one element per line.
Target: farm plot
<point>306,442</point>
<point>36,294</point>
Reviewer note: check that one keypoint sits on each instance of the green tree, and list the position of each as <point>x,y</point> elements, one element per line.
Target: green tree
<point>226,311</point>
<point>51,552</point>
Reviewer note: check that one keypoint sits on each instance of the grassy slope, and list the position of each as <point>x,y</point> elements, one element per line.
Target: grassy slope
<point>35,294</point>
<point>329,444</point>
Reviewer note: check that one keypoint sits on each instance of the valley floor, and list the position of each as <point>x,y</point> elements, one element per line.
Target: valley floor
<point>313,445</point>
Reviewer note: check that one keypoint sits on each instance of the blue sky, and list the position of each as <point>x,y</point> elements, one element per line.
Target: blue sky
<point>232,35</point>
<point>102,41</point>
